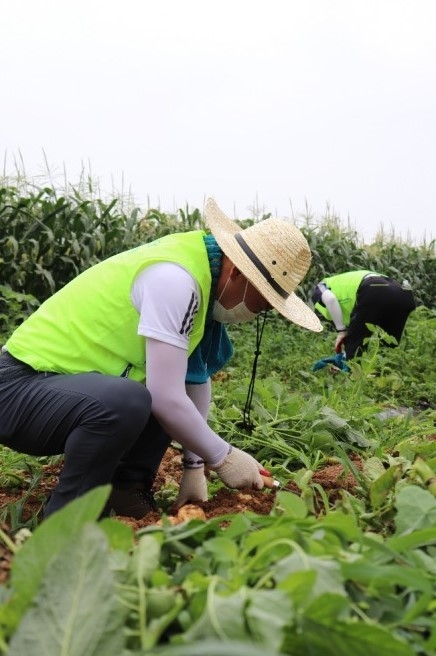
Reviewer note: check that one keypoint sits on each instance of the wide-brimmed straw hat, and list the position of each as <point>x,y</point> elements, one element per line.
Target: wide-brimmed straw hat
<point>273,255</point>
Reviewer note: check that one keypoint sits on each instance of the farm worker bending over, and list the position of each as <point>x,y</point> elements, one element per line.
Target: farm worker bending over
<point>355,298</point>
<point>72,375</point>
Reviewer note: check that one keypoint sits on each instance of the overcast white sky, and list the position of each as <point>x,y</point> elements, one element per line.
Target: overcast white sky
<point>280,103</point>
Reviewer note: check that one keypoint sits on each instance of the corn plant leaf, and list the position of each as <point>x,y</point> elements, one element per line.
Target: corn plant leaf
<point>75,611</point>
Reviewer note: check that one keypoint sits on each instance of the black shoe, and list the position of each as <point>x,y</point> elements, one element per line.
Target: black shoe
<point>135,501</point>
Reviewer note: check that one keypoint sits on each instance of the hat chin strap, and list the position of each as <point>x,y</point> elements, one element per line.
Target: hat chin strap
<point>246,423</point>
<point>260,267</point>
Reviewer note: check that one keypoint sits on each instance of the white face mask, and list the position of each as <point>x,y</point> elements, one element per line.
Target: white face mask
<point>237,314</point>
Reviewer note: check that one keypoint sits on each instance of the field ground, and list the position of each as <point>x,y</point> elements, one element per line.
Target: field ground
<point>224,501</point>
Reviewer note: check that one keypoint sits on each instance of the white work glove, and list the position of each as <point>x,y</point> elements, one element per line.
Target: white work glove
<point>239,469</point>
<point>340,339</point>
<point>193,487</point>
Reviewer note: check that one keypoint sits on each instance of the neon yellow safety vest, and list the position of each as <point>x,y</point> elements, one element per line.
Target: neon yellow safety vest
<point>344,286</point>
<point>91,323</point>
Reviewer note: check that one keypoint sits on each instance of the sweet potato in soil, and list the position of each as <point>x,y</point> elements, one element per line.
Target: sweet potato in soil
<point>332,478</point>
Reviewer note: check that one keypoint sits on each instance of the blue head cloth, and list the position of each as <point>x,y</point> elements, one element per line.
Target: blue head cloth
<point>338,360</point>
<point>215,348</point>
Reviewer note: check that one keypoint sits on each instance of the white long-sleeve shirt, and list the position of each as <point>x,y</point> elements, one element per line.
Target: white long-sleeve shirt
<point>167,298</point>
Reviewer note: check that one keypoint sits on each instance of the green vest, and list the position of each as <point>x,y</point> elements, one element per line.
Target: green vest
<point>344,286</point>
<point>91,323</point>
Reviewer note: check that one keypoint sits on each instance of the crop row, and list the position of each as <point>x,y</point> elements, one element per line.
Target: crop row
<point>47,238</point>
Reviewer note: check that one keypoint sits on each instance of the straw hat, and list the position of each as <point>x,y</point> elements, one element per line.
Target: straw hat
<point>273,255</point>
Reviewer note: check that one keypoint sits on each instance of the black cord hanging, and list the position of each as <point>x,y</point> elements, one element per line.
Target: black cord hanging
<point>246,423</point>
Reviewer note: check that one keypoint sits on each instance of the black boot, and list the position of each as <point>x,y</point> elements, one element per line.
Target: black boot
<point>135,501</point>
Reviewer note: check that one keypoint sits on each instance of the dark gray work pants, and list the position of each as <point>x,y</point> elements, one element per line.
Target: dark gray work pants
<point>382,302</point>
<point>102,424</point>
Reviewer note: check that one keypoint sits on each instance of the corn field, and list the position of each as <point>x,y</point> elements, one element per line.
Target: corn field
<point>47,237</point>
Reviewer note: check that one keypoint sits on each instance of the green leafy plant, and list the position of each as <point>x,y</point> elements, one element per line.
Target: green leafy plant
<point>329,575</point>
<point>281,582</point>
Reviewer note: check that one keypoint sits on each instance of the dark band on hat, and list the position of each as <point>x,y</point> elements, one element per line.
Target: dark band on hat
<point>261,268</point>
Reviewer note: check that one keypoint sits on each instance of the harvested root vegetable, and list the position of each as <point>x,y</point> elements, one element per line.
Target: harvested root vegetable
<point>190,512</point>
<point>185,513</point>
<point>169,519</point>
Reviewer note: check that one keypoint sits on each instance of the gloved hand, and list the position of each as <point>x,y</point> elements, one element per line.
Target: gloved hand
<point>239,469</point>
<point>340,339</point>
<point>193,487</point>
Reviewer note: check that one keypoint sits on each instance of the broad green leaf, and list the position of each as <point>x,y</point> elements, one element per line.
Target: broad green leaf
<point>409,541</point>
<point>425,560</point>
<point>416,509</point>
<point>328,608</point>
<point>49,539</point>
<point>299,586</point>
<point>76,611</point>
<point>223,549</point>
<point>373,468</point>
<point>332,419</point>
<point>239,525</point>
<point>291,505</point>
<point>267,613</point>
<point>145,558</point>
<point>383,485</point>
<point>223,617</point>
<point>319,636</point>
<point>213,647</point>
<point>345,526</point>
<point>328,576</point>
<point>355,437</point>
<point>389,576</point>
<point>253,615</point>
<point>119,535</point>
<point>274,536</point>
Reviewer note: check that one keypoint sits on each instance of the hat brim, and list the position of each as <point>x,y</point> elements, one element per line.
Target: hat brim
<point>292,307</point>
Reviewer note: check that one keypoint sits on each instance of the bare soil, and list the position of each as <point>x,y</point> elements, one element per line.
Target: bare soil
<point>332,478</point>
